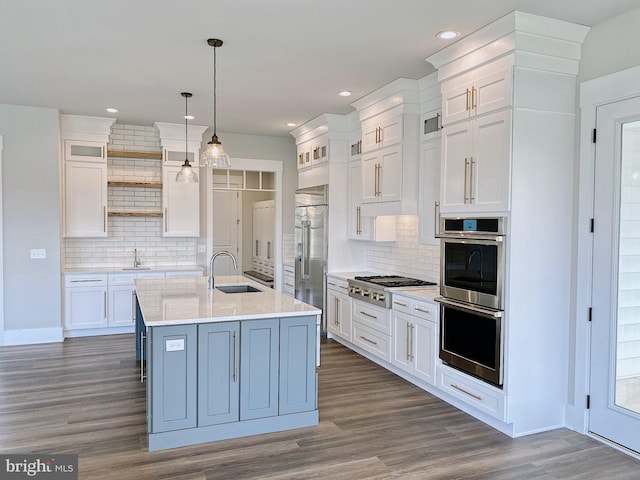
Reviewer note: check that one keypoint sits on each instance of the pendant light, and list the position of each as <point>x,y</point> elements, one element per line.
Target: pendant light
<point>214,156</point>
<point>186,174</point>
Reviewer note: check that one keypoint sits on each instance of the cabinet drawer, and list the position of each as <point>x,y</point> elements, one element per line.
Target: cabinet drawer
<point>122,278</point>
<point>473,392</point>
<point>89,280</point>
<point>372,341</point>
<point>377,318</point>
<point>337,284</point>
<point>417,308</point>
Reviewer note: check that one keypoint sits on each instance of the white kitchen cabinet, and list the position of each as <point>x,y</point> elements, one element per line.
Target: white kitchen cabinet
<point>377,229</point>
<point>121,306</point>
<point>415,337</point>
<point>263,230</point>
<point>476,160</point>
<point>180,205</point>
<point>429,190</point>
<point>85,151</point>
<point>320,149</point>
<point>371,328</point>
<point>303,155</point>
<point>482,90</point>
<point>338,308</point>
<point>85,199</point>
<point>390,149</point>
<point>85,301</point>
<point>382,175</point>
<point>381,131</point>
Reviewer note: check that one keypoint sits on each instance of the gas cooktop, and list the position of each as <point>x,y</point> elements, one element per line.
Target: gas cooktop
<point>394,281</point>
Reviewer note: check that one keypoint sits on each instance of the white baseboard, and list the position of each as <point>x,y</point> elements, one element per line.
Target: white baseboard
<point>32,335</point>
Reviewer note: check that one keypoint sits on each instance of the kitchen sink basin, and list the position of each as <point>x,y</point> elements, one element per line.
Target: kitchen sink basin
<point>242,288</point>
<point>135,269</point>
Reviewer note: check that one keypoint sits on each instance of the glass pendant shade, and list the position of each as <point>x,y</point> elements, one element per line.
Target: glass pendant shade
<point>187,174</point>
<point>214,156</point>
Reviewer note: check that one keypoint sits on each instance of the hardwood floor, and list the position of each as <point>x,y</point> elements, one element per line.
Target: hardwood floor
<point>83,396</point>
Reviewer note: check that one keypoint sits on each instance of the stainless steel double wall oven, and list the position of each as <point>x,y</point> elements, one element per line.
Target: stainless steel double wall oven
<point>472,274</point>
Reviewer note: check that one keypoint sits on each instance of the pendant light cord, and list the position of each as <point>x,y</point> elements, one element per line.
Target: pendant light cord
<point>186,121</point>
<point>214,90</point>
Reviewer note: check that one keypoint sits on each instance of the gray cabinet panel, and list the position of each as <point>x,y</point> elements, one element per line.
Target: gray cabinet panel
<point>173,379</point>
<point>259,368</point>
<point>218,373</point>
<point>297,365</point>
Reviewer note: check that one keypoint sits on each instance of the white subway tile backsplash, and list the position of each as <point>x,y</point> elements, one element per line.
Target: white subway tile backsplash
<point>405,256</point>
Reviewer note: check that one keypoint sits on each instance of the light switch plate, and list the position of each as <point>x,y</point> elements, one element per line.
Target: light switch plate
<point>38,253</point>
<point>202,249</point>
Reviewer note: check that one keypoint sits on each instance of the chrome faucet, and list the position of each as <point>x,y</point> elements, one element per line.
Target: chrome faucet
<point>136,260</point>
<point>213,257</point>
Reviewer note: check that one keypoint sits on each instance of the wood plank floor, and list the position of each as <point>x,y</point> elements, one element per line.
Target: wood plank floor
<point>83,396</point>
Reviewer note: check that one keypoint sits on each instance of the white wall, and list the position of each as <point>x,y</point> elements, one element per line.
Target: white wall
<point>611,46</point>
<point>31,201</point>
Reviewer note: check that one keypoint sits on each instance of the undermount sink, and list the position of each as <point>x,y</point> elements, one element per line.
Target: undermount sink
<point>242,288</point>
<point>134,269</point>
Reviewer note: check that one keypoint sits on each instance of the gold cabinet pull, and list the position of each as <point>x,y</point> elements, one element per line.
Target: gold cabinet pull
<point>368,340</point>
<point>466,169</point>
<point>477,397</point>
<point>474,99</point>
<point>471,166</point>
<point>165,220</point>
<point>466,106</point>
<point>235,357</point>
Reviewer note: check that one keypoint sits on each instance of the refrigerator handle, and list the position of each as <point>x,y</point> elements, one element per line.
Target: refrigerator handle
<point>304,268</point>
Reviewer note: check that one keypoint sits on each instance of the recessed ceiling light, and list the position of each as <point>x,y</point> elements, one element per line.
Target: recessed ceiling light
<point>345,93</point>
<point>291,124</point>
<point>188,117</point>
<point>447,34</point>
<point>112,110</point>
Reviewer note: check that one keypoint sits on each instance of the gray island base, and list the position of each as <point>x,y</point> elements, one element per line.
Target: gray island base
<point>225,365</point>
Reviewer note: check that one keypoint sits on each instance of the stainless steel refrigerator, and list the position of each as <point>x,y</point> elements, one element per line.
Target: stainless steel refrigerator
<point>311,246</point>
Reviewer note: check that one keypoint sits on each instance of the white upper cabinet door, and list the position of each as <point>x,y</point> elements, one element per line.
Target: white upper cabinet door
<point>492,91</point>
<point>490,173</point>
<point>83,151</point>
<point>456,150</point>
<point>456,99</point>
<point>85,199</point>
<point>181,205</point>
<point>382,175</point>
<point>379,132</point>
<point>304,155</point>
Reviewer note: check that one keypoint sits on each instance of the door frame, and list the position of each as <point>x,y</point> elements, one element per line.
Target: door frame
<point>593,93</point>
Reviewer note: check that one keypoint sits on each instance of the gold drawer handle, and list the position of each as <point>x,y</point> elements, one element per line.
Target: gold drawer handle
<point>477,397</point>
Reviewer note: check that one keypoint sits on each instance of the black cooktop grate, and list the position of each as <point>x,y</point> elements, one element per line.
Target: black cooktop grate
<point>394,281</point>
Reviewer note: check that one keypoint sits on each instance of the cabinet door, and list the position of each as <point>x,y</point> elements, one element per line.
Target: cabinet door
<point>371,135</point>
<point>268,224</point>
<point>218,373</point>
<point>456,99</point>
<point>429,190</point>
<point>456,150</point>
<point>490,167</point>
<point>257,231</point>
<point>333,312</point>
<point>492,90</point>
<point>85,307</point>
<point>382,175</point>
<point>85,199</point>
<point>259,368</point>
<point>297,365</point>
<point>359,226</point>
<point>344,316</point>
<point>173,379</point>
<point>121,306</point>
<point>424,349</point>
<point>392,131</point>
<point>400,355</point>
<point>304,155</point>
<point>181,205</point>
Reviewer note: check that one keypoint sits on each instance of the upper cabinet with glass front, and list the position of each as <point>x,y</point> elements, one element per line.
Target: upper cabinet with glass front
<point>84,157</point>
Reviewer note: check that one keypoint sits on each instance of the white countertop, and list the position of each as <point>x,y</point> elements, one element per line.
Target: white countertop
<point>178,301</point>
<point>183,268</point>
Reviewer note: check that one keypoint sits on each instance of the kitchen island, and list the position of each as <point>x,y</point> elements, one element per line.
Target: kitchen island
<point>232,361</point>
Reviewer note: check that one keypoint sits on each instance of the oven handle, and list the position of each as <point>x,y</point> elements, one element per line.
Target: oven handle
<point>487,312</point>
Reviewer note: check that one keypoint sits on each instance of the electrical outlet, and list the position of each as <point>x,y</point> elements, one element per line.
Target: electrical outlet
<point>38,253</point>
<point>202,249</point>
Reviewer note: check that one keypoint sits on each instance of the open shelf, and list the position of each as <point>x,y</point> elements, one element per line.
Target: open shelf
<point>131,154</point>
<point>123,213</point>
<point>112,183</point>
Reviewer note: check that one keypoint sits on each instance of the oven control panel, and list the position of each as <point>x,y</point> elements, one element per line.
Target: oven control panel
<point>371,295</point>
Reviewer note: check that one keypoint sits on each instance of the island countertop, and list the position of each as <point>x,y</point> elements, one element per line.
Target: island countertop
<point>179,301</point>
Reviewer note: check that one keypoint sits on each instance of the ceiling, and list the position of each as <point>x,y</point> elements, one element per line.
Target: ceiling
<point>282,60</point>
